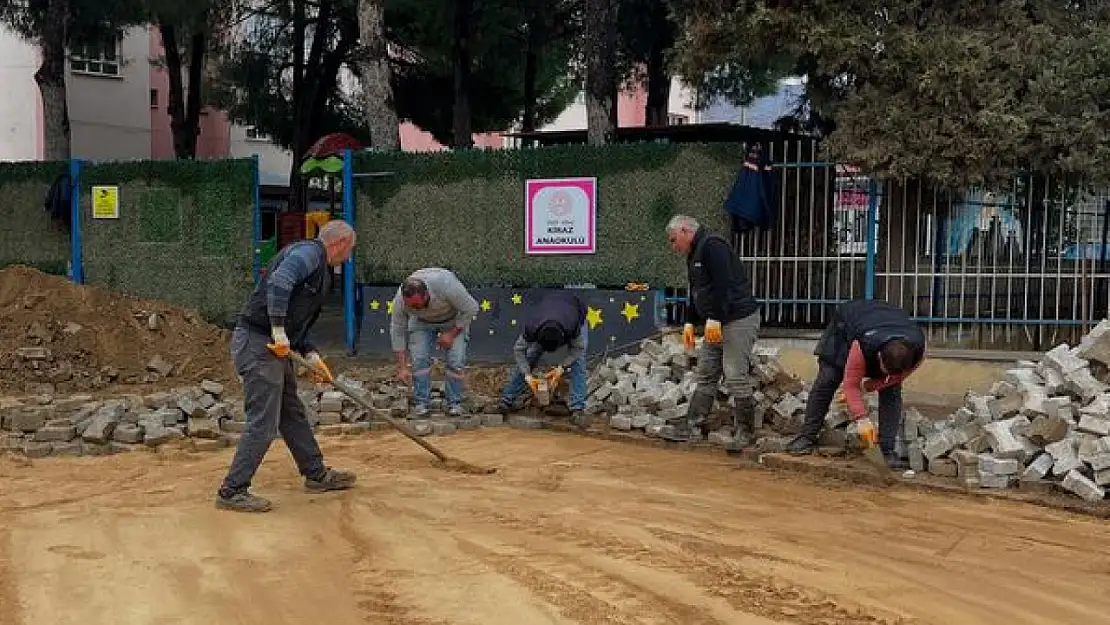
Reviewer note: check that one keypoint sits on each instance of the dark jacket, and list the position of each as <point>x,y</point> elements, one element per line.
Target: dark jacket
<point>872,323</point>
<point>719,288</point>
<point>305,301</point>
<point>751,201</point>
<point>564,308</point>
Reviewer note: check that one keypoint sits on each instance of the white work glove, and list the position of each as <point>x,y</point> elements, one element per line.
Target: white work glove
<point>280,346</point>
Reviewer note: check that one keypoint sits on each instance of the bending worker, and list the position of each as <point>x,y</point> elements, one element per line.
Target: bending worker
<point>721,296</point>
<point>276,319</point>
<point>868,346</point>
<point>557,320</point>
<point>432,307</point>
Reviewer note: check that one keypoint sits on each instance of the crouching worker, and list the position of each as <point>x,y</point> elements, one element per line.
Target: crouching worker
<point>868,346</point>
<point>276,320</point>
<point>558,320</point>
<point>432,308</point>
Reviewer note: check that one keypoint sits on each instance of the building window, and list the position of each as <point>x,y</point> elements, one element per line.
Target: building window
<point>153,98</point>
<point>99,59</point>
<point>253,134</point>
<point>674,119</point>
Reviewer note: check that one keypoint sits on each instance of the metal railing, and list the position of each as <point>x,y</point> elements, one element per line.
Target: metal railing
<point>1021,268</point>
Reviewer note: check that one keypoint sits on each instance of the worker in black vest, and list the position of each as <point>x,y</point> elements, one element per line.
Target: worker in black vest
<point>557,320</point>
<point>276,319</point>
<point>868,346</point>
<point>721,298</point>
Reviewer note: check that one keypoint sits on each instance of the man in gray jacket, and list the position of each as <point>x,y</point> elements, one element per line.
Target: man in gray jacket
<point>432,307</point>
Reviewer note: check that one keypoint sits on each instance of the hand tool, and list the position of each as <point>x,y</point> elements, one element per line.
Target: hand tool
<point>444,460</point>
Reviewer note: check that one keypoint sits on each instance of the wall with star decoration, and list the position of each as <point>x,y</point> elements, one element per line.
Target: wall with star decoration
<point>616,319</point>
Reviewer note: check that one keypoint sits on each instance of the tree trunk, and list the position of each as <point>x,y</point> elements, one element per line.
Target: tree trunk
<point>658,88</point>
<point>296,184</point>
<point>198,48</point>
<point>51,79</point>
<point>531,69</point>
<point>377,77</point>
<point>460,53</point>
<point>601,33</point>
<point>184,132</point>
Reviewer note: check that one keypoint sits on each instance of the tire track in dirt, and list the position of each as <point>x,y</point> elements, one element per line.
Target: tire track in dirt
<point>594,596</point>
<point>719,576</point>
<point>375,598</point>
<point>10,607</point>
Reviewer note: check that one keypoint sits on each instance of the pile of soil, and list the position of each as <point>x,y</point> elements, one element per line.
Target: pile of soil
<point>61,337</point>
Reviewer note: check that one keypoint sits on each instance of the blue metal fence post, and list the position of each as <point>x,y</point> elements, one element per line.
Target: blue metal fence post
<point>349,266</point>
<point>77,256</point>
<point>872,236</point>
<point>257,218</point>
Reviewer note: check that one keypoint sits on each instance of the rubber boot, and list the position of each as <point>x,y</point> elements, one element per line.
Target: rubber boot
<point>699,406</point>
<point>743,420</point>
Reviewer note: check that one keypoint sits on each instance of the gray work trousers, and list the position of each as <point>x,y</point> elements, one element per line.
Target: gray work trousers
<point>272,406</point>
<point>731,357</point>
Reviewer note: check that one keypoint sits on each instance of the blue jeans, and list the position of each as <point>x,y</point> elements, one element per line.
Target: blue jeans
<point>576,375</point>
<point>422,342</point>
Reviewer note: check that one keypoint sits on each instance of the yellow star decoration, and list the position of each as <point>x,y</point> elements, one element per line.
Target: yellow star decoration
<point>517,299</point>
<point>389,307</point>
<point>631,311</point>
<point>485,305</point>
<point>593,316</point>
<point>374,305</point>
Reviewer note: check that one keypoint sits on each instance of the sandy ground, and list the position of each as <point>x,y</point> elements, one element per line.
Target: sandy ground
<point>571,530</point>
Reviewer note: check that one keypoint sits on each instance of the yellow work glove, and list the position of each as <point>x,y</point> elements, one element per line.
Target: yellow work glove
<point>713,331</point>
<point>689,341</point>
<point>867,434</point>
<point>533,382</point>
<point>554,376</point>
<point>280,346</point>
<point>319,368</point>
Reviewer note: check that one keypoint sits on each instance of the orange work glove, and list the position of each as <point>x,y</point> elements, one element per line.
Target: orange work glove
<point>867,434</point>
<point>713,331</point>
<point>280,346</point>
<point>320,370</point>
<point>689,341</point>
<point>554,375</point>
<point>534,383</point>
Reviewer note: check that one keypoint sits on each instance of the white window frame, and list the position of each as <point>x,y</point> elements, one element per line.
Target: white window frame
<point>251,133</point>
<point>94,60</point>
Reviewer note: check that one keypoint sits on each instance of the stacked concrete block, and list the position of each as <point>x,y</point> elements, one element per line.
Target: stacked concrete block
<point>650,391</point>
<point>1047,423</point>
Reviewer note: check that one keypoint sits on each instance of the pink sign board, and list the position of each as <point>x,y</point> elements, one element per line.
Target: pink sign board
<point>560,216</point>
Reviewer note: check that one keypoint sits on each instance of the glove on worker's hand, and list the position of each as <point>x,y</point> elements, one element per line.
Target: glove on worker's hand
<point>689,341</point>
<point>280,344</point>
<point>320,370</point>
<point>713,331</point>
<point>554,376</point>
<point>533,383</point>
<point>867,434</point>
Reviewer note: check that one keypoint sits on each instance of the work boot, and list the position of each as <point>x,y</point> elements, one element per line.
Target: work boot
<point>243,501</point>
<point>580,419</point>
<point>333,479</point>
<point>801,445</point>
<point>743,419</point>
<point>896,462</point>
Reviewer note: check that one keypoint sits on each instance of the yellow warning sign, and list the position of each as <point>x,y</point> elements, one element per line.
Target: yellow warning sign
<point>105,202</point>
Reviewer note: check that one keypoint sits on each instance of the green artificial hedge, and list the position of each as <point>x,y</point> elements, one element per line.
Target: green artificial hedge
<point>183,235</point>
<point>465,211</point>
<point>28,237</point>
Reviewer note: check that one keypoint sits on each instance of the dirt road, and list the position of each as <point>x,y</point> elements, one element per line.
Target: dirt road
<point>572,530</point>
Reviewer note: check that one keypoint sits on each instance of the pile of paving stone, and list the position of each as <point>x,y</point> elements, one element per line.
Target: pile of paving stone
<point>206,418</point>
<point>649,391</point>
<point>1045,426</point>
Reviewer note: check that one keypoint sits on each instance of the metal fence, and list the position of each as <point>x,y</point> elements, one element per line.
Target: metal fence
<point>1021,268</point>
